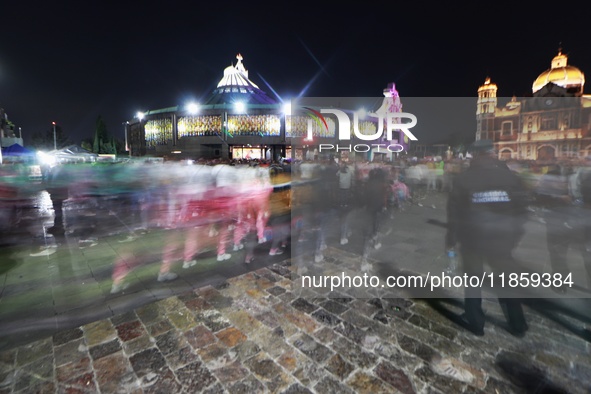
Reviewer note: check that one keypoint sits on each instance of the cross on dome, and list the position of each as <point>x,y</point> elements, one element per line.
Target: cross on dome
<point>560,60</point>
<point>239,66</point>
<point>562,74</point>
<point>236,75</point>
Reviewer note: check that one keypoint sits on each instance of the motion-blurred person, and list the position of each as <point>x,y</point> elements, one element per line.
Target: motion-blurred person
<point>451,168</point>
<point>132,182</point>
<point>199,219</point>
<point>244,222</point>
<point>486,213</point>
<point>325,204</point>
<point>582,195</point>
<point>345,177</point>
<point>375,202</point>
<point>439,172</point>
<point>249,211</point>
<point>280,221</point>
<point>194,219</point>
<point>431,176</point>
<point>399,195</point>
<point>414,176</point>
<point>560,217</point>
<point>179,210</point>
<point>307,169</point>
<point>127,259</point>
<point>260,195</point>
<point>303,200</point>
<point>57,186</point>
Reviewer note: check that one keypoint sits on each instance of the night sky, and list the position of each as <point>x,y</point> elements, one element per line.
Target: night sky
<point>70,63</point>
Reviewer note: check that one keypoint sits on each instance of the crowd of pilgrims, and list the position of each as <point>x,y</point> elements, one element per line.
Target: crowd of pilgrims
<point>230,206</point>
<point>219,206</point>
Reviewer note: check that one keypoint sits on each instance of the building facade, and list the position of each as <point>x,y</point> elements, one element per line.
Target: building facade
<point>240,121</point>
<point>553,124</point>
<point>8,135</point>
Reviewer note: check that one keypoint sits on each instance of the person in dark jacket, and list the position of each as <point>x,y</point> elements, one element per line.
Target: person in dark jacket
<point>486,211</point>
<point>57,187</point>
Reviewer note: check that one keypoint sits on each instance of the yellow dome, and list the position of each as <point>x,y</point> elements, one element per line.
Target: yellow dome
<point>561,74</point>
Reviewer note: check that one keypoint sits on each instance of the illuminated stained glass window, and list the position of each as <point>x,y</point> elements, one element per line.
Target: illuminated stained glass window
<point>158,132</point>
<point>367,128</point>
<point>297,126</point>
<point>194,126</point>
<point>264,125</point>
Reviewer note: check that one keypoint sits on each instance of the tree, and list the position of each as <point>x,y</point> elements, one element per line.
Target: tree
<point>87,144</point>
<point>102,143</point>
<point>96,143</point>
<point>101,137</point>
<point>43,140</point>
<point>108,147</point>
<point>120,147</point>
<point>459,142</point>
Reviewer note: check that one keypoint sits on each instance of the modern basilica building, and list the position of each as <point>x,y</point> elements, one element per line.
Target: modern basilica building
<point>240,121</point>
<point>553,124</point>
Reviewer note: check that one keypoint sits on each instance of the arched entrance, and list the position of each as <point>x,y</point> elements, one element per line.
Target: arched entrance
<point>546,153</point>
<point>505,154</point>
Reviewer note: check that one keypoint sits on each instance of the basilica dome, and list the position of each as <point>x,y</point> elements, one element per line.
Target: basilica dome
<point>236,87</point>
<point>561,74</point>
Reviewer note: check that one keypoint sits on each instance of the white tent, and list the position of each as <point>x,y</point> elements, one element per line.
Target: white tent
<point>73,153</point>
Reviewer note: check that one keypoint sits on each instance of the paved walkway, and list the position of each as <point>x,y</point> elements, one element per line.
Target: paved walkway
<point>260,331</point>
<point>254,334</point>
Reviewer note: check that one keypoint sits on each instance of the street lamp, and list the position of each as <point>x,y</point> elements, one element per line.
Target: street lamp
<point>287,129</point>
<point>126,131</point>
<point>54,137</point>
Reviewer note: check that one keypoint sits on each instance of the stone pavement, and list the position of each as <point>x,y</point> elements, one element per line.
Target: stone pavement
<point>254,334</point>
<point>260,331</point>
